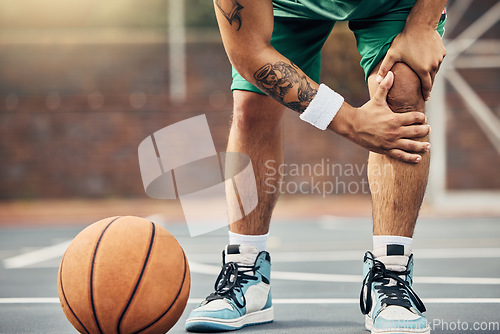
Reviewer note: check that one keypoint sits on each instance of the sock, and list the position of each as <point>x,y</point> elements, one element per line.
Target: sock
<point>384,240</point>
<point>259,241</point>
<point>395,257</point>
<point>241,254</point>
<point>393,251</point>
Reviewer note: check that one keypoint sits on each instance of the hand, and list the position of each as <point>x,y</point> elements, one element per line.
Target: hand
<point>422,49</point>
<point>375,127</point>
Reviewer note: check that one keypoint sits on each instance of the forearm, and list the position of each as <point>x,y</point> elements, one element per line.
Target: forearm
<point>425,13</point>
<point>286,83</point>
<point>279,78</point>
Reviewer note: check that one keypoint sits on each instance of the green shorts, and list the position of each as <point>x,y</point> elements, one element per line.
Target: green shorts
<point>300,34</point>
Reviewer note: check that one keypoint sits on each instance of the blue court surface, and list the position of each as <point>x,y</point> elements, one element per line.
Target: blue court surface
<point>316,274</point>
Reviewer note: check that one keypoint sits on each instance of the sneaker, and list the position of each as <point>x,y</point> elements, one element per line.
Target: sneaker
<point>387,299</point>
<point>242,294</point>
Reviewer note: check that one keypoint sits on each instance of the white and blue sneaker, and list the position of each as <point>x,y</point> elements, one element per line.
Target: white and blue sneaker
<point>389,303</point>
<point>242,294</point>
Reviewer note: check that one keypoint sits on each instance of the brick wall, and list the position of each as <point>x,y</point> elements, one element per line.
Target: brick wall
<point>72,116</point>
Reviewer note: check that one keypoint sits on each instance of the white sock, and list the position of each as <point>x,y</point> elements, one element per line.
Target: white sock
<point>259,241</point>
<point>384,240</point>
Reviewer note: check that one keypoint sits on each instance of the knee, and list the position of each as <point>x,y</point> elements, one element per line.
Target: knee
<point>406,93</point>
<point>254,112</point>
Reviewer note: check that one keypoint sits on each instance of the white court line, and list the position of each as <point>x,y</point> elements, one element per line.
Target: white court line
<point>357,255</point>
<point>36,256</point>
<point>284,300</point>
<point>47,300</point>
<point>356,301</point>
<point>201,268</point>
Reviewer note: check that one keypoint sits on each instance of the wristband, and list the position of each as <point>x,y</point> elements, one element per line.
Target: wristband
<point>323,108</point>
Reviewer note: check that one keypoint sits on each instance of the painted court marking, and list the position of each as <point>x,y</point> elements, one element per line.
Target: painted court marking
<point>36,256</point>
<point>201,268</point>
<point>52,252</point>
<point>284,300</point>
<point>430,253</point>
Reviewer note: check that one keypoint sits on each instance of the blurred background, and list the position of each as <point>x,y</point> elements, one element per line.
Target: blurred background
<point>82,83</point>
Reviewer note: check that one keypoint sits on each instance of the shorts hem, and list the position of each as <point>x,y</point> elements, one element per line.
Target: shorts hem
<point>385,47</point>
<point>245,86</point>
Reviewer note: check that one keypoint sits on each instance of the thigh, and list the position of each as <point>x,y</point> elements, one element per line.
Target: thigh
<point>300,40</point>
<point>257,109</point>
<point>374,36</point>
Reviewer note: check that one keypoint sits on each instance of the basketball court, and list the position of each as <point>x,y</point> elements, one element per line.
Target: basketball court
<point>316,273</point>
<point>63,90</point>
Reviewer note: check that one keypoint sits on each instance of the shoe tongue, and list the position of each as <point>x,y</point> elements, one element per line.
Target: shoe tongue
<point>241,254</point>
<point>394,257</point>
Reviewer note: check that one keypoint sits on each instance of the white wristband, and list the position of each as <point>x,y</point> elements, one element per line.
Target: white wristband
<point>323,108</point>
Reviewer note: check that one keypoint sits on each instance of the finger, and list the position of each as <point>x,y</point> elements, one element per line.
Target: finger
<point>384,87</point>
<point>386,65</point>
<point>426,81</point>
<point>412,146</point>
<point>404,156</point>
<point>410,118</point>
<point>414,131</point>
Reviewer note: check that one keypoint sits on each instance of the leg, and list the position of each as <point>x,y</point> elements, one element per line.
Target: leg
<point>387,298</point>
<point>397,192</point>
<point>257,127</point>
<point>398,188</point>
<point>257,130</point>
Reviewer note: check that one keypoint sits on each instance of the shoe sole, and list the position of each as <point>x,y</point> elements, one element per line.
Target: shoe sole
<point>207,324</point>
<point>369,327</point>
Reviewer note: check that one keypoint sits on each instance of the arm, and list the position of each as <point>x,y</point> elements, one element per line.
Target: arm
<point>419,45</point>
<point>246,27</point>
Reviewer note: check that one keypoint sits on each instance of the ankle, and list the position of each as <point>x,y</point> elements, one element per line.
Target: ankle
<point>259,241</point>
<point>384,240</point>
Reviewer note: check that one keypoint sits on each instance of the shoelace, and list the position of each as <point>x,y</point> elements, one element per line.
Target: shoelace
<point>231,277</point>
<point>394,294</point>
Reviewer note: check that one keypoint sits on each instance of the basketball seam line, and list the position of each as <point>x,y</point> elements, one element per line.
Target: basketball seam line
<point>66,300</point>
<point>148,255</point>
<point>175,299</point>
<point>92,274</point>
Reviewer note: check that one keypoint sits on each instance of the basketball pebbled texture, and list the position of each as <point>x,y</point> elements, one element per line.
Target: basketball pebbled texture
<point>123,275</point>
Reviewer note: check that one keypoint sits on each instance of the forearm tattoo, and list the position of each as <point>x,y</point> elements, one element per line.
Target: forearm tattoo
<point>231,11</point>
<point>279,79</point>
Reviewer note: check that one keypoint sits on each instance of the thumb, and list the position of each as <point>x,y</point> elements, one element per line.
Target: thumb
<point>384,88</point>
<point>386,65</point>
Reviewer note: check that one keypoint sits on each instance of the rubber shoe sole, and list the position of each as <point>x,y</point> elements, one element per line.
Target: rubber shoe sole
<point>207,324</point>
<point>369,327</point>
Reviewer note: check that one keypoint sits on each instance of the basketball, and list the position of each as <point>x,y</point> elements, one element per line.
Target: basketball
<point>123,275</point>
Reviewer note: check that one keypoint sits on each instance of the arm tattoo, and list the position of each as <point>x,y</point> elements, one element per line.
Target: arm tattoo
<point>277,80</point>
<point>231,11</point>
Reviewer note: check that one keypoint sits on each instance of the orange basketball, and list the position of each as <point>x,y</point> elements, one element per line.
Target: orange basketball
<point>123,275</point>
